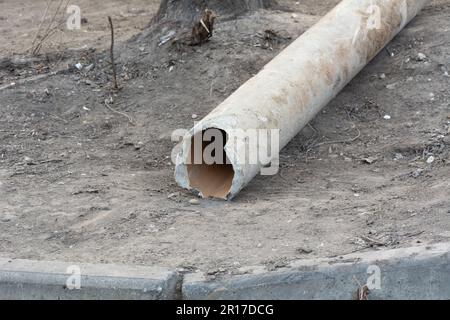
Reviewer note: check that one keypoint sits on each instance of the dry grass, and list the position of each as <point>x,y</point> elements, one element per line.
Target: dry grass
<point>51,22</point>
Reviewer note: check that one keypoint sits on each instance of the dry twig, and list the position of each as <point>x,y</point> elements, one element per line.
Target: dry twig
<point>362,293</point>
<point>52,26</point>
<point>340,141</point>
<point>113,65</point>
<point>130,119</point>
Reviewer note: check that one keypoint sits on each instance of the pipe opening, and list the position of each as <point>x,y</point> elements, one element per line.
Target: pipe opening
<point>209,169</point>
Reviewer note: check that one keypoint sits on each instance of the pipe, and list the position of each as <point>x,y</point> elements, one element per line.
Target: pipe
<point>287,93</point>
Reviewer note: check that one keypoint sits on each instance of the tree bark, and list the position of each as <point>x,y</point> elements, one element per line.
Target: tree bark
<point>187,10</point>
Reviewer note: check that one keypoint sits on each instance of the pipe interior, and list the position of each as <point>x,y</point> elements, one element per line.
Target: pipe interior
<point>212,180</point>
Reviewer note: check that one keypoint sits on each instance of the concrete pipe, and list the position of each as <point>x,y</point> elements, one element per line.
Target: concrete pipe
<point>285,95</point>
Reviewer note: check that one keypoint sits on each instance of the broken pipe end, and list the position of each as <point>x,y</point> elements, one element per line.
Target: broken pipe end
<point>220,179</point>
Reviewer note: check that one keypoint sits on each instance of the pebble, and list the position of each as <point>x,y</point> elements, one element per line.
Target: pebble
<point>28,160</point>
<point>421,57</point>
<point>387,117</point>
<point>392,86</point>
<point>173,195</point>
<point>370,160</point>
<point>430,159</point>
<point>194,116</point>
<point>194,202</point>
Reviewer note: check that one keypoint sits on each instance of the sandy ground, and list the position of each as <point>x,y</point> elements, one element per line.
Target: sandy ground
<point>81,183</point>
<point>20,21</point>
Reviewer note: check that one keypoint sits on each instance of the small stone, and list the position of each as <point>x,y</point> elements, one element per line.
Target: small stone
<point>28,160</point>
<point>173,195</point>
<point>417,173</point>
<point>430,159</point>
<point>79,66</point>
<point>370,160</point>
<point>382,76</point>
<point>194,202</point>
<point>194,116</point>
<point>387,117</point>
<point>392,86</point>
<point>421,57</point>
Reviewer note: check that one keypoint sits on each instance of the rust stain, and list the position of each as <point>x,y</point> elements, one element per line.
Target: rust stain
<point>280,99</point>
<point>377,38</point>
<point>343,50</point>
<point>328,70</point>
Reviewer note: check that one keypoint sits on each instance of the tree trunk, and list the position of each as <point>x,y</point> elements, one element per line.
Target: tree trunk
<point>186,11</point>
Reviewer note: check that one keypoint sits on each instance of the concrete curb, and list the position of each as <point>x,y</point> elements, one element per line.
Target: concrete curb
<point>25,279</point>
<point>407,273</point>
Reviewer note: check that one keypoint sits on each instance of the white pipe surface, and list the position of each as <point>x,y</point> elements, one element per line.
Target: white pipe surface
<point>291,89</point>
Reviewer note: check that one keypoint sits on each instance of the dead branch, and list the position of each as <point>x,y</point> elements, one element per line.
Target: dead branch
<point>130,119</point>
<point>362,293</point>
<point>203,29</point>
<point>51,27</point>
<point>111,52</point>
<point>340,141</point>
